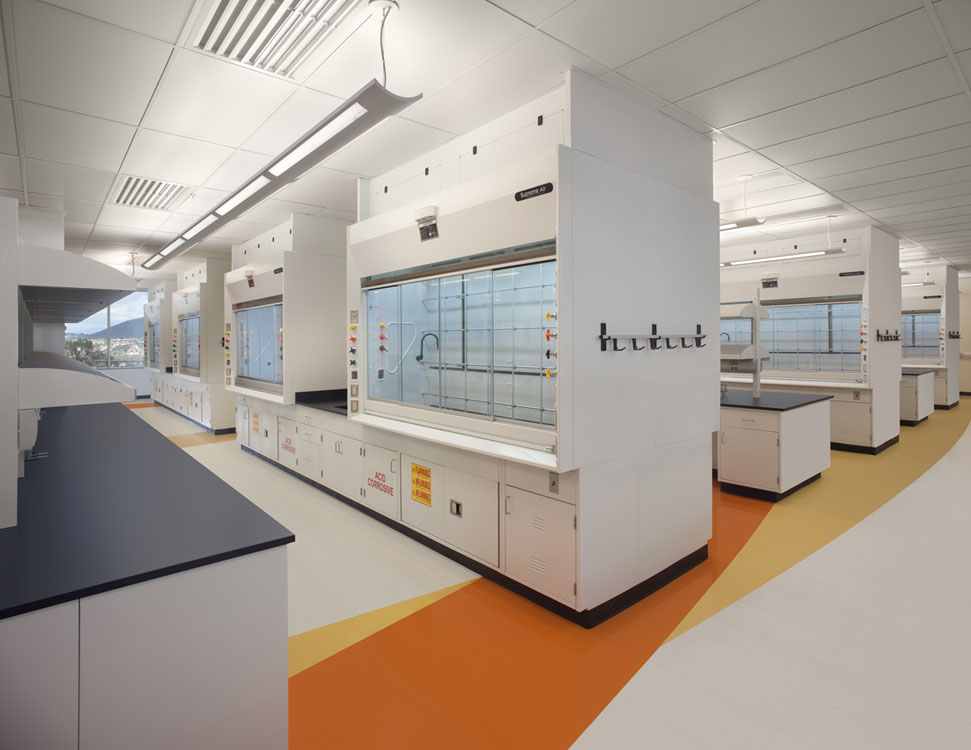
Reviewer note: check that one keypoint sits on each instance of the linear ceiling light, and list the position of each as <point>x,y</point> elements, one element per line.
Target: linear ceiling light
<point>920,283</point>
<point>747,221</point>
<point>792,256</point>
<point>368,107</point>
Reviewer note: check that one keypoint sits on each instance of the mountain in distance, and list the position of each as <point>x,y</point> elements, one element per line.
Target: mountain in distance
<point>129,329</point>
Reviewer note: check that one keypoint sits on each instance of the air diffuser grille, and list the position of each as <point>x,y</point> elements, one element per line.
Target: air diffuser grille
<point>276,36</point>
<point>142,192</point>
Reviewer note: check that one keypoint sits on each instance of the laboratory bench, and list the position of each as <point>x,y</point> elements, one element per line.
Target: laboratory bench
<point>333,401</point>
<point>772,445</point>
<point>916,394</point>
<point>851,410</point>
<point>944,383</point>
<point>162,601</point>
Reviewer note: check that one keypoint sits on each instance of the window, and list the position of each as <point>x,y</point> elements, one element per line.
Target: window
<point>736,331</point>
<point>816,336</point>
<point>111,338</point>
<point>477,343</point>
<point>191,343</point>
<point>920,335</point>
<point>259,347</point>
<point>154,345</point>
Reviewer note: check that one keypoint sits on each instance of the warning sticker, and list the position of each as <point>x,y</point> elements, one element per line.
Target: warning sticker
<point>380,482</point>
<point>421,484</point>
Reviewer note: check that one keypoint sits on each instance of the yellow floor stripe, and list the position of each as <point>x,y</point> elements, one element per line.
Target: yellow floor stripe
<point>853,487</point>
<point>313,646</point>
<point>192,439</point>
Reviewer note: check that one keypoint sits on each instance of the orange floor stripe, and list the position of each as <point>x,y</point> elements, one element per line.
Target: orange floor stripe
<point>140,406</point>
<point>486,668</point>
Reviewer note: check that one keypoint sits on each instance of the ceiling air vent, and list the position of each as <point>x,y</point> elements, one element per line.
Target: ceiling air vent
<point>276,36</point>
<point>142,192</point>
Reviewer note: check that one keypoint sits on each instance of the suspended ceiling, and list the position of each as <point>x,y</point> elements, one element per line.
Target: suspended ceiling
<point>857,110</point>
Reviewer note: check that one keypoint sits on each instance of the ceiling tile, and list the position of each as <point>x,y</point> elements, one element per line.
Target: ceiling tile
<point>236,170</point>
<point>8,133</point>
<point>908,88</point>
<point>618,31</point>
<point>214,100</point>
<point>820,201</point>
<point>130,217</point>
<point>906,185</point>
<point>339,214</point>
<point>122,235</point>
<point>160,20</point>
<point>924,165</point>
<point>76,231</point>
<point>70,182</point>
<point>200,201</point>
<point>877,52</point>
<point>301,112</point>
<point>69,61</point>
<point>918,197</point>
<point>532,11</point>
<point>760,35</point>
<point>957,220</point>
<point>732,199</point>
<point>734,167</point>
<point>84,212</point>
<point>964,59</point>
<point>932,210</point>
<point>10,178</point>
<point>722,147</point>
<point>955,17</point>
<point>516,76</point>
<point>4,76</point>
<point>73,244</point>
<point>170,157</point>
<point>460,34</point>
<point>176,223</point>
<point>391,143</point>
<point>320,187</point>
<point>918,125</point>
<point>70,138</point>
<point>923,207</point>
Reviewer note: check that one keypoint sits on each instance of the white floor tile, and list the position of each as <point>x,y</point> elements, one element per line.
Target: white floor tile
<point>929,728</point>
<point>857,697</point>
<point>625,724</point>
<point>948,696</point>
<point>827,728</point>
<point>895,675</point>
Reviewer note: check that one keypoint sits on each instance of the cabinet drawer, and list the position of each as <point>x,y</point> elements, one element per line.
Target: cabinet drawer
<point>857,395</point>
<point>311,434</point>
<point>750,419</point>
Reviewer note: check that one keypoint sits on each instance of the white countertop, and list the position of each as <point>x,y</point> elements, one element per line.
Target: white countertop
<point>799,383</point>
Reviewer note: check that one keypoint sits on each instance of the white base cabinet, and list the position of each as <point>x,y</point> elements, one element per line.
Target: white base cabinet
<point>381,486</point>
<point>916,396</point>
<point>541,543</point>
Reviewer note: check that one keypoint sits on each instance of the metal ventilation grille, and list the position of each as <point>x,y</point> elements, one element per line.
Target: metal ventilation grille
<point>145,193</point>
<point>273,35</point>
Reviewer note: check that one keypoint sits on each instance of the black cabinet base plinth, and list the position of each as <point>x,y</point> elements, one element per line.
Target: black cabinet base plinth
<point>768,495</point>
<point>868,449</point>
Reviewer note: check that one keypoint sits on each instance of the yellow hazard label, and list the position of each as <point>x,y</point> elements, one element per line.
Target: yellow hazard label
<point>421,484</point>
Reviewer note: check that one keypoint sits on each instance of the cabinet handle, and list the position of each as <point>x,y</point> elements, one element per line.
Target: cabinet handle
<point>394,465</point>
<point>508,509</point>
<point>337,446</point>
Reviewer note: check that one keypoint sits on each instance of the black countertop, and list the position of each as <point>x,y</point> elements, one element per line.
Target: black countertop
<point>334,401</point>
<point>916,371</point>
<point>116,503</point>
<point>770,400</point>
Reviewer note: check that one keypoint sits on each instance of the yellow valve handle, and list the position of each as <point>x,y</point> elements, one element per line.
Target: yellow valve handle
<point>382,325</point>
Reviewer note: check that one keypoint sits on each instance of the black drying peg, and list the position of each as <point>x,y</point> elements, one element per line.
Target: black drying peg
<point>700,337</point>
<point>633,343</point>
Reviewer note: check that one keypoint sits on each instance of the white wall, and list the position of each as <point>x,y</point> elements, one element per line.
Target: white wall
<point>8,362</point>
<point>883,310</point>
<point>41,227</point>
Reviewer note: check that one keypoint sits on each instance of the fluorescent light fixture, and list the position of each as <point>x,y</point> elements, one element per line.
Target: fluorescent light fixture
<point>199,226</point>
<point>791,256</point>
<point>368,107</point>
<point>170,247</point>
<point>746,221</point>
<point>920,283</point>
<point>318,139</point>
<point>241,195</point>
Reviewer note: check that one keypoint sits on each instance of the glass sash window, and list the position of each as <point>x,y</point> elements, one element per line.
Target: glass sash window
<point>191,343</point>
<point>920,335</point>
<point>259,346</point>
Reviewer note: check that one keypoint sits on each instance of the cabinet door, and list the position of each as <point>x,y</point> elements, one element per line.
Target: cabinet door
<point>849,422</point>
<point>340,459</point>
<point>471,518</point>
<point>308,459</point>
<point>242,425</point>
<point>206,409</point>
<point>194,403</point>
<point>422,494</point>
<point>541,543</point>
<point>381,471</point>
<point>269,445</point>
<point>749,457</point>
<point>287,441</point>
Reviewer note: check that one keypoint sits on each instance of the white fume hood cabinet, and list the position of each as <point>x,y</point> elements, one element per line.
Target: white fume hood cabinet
<point>284,300</point>
<point>160,333</point>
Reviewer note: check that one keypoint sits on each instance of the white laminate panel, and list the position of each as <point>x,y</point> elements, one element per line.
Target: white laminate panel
<point>750,419</point>
<point>197,659</point>
<point>39,679</point>
<point>803,444</point>
<point>749,457</point>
